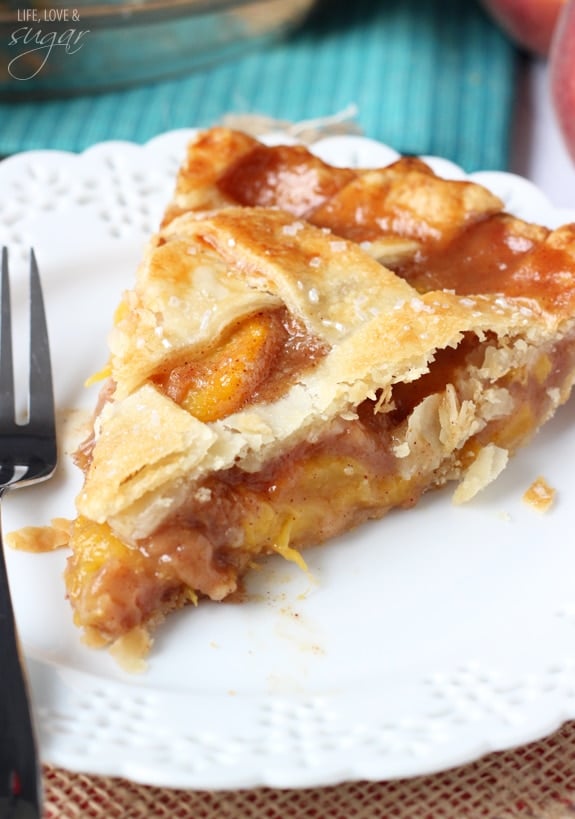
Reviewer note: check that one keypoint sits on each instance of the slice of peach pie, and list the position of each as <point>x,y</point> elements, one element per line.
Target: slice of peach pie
<point>305,348</point>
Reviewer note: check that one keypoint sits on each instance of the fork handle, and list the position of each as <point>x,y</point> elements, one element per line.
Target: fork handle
<point>19,773</point>
<point>18,810</point>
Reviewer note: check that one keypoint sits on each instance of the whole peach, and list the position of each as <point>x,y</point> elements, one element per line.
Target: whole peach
<point>529,22</point>
<point>562,74</point>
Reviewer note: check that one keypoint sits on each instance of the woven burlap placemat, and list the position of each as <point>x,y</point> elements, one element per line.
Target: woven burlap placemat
<point>535,781</point>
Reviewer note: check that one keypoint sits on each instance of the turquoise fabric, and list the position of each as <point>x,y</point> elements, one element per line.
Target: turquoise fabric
<point>427,77</point>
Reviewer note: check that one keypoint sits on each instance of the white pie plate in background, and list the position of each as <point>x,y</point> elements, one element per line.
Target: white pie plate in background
<point>416,643</point>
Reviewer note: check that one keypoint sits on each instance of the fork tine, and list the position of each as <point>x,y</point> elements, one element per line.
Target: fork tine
<point>41,401</point>
<point>6,366</point>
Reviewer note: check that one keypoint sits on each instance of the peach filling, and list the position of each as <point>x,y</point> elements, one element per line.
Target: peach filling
<point>354,472</point>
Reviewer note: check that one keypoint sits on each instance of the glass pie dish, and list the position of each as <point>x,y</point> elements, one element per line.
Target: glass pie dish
<point>55,48</point>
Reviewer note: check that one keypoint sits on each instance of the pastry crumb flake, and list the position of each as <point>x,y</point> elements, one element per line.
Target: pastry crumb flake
<point>488,464</point>
<point>540,495</point>
<point>41,538</point>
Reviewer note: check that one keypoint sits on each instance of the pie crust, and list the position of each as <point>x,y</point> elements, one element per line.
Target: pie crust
<point>305,348</point>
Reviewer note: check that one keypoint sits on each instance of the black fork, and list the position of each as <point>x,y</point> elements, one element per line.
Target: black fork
<point>28,454</point>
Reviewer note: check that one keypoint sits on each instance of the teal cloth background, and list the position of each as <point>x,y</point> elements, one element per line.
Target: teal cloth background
<point>427,77</point>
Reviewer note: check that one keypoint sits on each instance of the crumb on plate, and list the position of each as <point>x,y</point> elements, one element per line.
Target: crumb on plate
<point>540,495</point>
<point>41,538</point>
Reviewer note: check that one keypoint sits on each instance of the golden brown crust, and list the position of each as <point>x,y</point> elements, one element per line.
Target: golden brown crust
<point>406,200</point>
<point>225,167</point>
<point>210,155</point>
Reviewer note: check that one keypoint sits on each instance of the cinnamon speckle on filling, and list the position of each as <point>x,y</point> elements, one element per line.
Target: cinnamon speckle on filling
<point>261,365</point>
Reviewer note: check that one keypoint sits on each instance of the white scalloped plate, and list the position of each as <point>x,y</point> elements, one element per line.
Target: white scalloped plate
<point>422,641</point>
